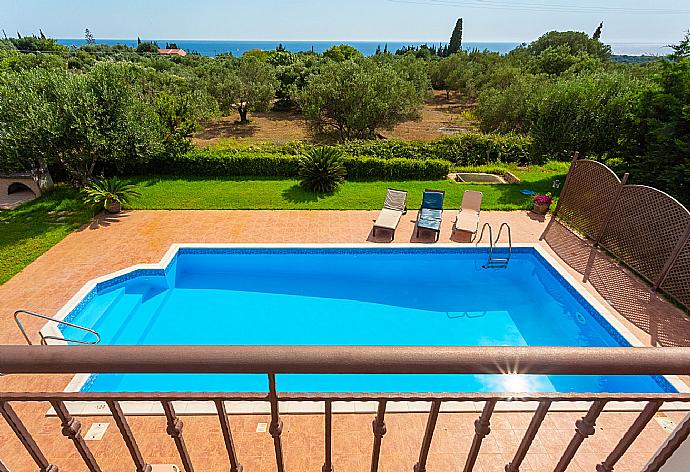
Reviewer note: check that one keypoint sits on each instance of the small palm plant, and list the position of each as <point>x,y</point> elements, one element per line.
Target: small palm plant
<point>109,194</point>
<point>322,170</point>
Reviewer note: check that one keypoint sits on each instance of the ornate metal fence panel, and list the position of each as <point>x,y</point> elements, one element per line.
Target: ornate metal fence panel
<point>586,201</point>
<point>645,227</point>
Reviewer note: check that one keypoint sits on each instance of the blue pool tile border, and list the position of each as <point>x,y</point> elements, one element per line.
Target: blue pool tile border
<point>102,286</point>
<point>344,250</point>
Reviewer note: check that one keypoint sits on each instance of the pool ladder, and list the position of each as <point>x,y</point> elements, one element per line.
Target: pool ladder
<point>497,262</point>
<point>44,339</point>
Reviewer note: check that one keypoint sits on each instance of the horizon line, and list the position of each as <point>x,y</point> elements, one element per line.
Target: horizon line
<point>339,40</point>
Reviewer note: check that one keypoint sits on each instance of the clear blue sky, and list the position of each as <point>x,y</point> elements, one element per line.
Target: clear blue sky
<point>410,20</point>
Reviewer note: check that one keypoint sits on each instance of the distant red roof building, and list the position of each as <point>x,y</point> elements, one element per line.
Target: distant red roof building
<point>172,52</point>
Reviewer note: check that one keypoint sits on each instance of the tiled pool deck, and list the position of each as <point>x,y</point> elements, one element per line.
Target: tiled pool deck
<point>111,244</point>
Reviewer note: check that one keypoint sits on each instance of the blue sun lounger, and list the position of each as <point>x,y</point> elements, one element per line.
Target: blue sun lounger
<point>431,212</point>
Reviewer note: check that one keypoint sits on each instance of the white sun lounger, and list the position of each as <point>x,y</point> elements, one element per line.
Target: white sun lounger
<point>393,209</point>
<point>470,208</point>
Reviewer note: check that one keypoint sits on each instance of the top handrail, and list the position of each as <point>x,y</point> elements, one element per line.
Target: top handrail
<point>57,338</point>
<point>547,360</point>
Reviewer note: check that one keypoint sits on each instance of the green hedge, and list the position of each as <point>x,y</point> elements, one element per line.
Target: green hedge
<point>370,168</point>
<point>228,163</point>
<point>210,163</point>
<point>469,149</point>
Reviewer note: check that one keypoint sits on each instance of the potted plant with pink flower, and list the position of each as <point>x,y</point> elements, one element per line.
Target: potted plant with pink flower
<point>542,203</point>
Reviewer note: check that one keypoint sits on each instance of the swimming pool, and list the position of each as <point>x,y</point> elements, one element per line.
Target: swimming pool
<point>416,296</point>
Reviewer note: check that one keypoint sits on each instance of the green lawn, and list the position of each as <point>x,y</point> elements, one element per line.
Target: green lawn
<point>32,229</point>
<point>29,231</point>
<point>246,193</point>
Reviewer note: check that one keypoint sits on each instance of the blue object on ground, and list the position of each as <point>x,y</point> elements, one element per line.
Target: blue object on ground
<point>528,192</point>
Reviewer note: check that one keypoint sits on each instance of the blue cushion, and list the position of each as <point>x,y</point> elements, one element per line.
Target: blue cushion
<point>432,200</point>
<point>430,218</point>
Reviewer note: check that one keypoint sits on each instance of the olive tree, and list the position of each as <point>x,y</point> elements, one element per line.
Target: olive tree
<point>77,121</point>
<point>28,121</point>
<point>103,121</point>
<point>444,73</point>
<point>342,52</point>
<point>355,98</point>
<point>245,84</point>
<point>573,42</point>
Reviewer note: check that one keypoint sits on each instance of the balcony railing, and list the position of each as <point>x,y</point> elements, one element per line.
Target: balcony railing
<point>273,360</point>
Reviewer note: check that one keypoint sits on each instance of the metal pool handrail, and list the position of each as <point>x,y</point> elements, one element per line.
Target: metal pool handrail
<point>510,240</point>
<point>491,238</point>
<point>57,338</point>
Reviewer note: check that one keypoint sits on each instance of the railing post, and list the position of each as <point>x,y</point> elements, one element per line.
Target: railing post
<point>679,435</point>
<point>573,163</point>
<point>379,428</point>
<point>235,466</point>
<point>174,430</point>
<point>276,426</point>
<point>609,213</point>
<point>128,437</point>
<point>420,466</point>
<point>583,429</point>
<point>327,436</point>
<point>71,428</point>
<point>530,434</point>
<point>25,438</point>
<point>482,428</point>
<point>685,239</point>
<point>629,437</point>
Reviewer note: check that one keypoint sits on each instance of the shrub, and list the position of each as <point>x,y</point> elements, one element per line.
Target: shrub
<point>546,199</point>
<point>587,114</point>
<point>322,170</point>
<point>207,163</point>
<point>466,149</point>
<point>230,163</point>
<point>657,138</point>
<point>103,194</point>
<point>371,168</point>
<point>463,149</point>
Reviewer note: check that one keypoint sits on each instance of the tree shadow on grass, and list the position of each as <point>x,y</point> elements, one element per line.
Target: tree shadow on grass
<point>296,194</point>
<point>509,194</point>
<point>226,128</point>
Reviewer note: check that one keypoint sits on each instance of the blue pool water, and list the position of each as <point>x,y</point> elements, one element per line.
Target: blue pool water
<point>353,296</point>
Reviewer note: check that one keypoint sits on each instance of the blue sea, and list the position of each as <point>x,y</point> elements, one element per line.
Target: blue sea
<point>368,48</point>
